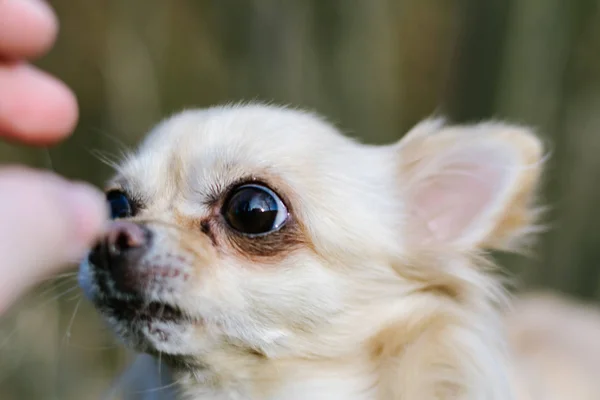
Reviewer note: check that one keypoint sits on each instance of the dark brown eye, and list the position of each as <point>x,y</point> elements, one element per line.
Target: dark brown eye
<point>120,205</point>
<point>254,210</point>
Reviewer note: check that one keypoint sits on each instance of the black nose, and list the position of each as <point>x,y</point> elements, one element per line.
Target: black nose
<point>120,251</point>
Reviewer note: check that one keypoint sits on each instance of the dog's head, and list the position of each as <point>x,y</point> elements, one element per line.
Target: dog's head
<point>264,230</point>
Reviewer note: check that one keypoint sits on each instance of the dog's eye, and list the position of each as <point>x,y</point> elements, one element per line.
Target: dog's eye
<point>255,209</point>
<point>120,206</point>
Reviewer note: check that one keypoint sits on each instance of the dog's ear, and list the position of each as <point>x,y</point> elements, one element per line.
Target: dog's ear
<point>469,186</point>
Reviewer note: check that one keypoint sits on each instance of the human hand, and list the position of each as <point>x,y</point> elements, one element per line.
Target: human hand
<point>46,222</point>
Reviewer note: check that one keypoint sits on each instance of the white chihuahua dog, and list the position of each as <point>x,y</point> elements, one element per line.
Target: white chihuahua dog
<point>260,254</point>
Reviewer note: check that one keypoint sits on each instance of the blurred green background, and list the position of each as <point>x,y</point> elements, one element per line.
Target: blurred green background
<point>374,68</point>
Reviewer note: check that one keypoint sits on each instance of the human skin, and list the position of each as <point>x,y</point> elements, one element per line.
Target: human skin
<point>46,222</point>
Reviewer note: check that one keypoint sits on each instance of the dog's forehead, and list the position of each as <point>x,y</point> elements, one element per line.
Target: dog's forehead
<point>201,150</point>
<point>241,134</point>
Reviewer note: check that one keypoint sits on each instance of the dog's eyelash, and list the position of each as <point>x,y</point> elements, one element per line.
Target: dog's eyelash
<point>215,193</point>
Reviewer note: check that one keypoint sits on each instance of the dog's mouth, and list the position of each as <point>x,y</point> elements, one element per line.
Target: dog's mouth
<point>139,311</point>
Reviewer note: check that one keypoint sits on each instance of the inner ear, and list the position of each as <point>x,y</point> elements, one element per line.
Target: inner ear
<point>459,191</point>
<point>460,183</point>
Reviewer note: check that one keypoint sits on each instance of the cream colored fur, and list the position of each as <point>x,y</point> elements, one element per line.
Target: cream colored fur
<point>388,296</point>
<point>556,346</point>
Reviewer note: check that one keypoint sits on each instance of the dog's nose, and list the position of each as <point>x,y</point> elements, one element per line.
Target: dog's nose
<point>124,238</point>
<point>120,251</point>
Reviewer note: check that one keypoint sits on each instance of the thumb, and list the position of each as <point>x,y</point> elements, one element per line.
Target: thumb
<point>46,223</point>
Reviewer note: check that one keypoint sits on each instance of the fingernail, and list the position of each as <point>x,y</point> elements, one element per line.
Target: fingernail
<point>87,206</point>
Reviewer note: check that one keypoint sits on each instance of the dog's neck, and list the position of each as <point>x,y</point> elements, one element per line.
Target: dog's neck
<point>429,360</point>
<point>281,380</point>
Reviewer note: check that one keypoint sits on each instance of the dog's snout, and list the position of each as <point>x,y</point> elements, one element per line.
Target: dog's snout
<point>120,251</point>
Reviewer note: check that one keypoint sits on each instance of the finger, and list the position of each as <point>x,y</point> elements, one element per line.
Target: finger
<point>34,107</point>
<point>46,223</point>
<point>28,28</point>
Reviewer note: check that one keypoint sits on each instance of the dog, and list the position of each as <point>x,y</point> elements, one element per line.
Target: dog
<point>555,342</point>
<point>256,252</point>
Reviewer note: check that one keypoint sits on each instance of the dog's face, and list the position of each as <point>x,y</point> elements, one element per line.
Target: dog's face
<point>264,230</point>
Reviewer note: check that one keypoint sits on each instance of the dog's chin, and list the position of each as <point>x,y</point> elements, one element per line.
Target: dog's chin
<point>142,322</point>
<point>150,327</point>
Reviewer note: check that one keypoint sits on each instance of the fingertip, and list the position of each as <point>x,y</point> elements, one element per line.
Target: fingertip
<point>48,213</point>
<point>89,215</point>
<point>34,106</point>
<point>28,28</point>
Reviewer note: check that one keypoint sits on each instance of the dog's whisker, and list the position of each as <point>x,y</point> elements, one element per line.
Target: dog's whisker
<point>54,284</point>
<point>57,277</point>
<point>67,335</point>
<point>106,159</point>
<point>36,307</point>
<point>121,146</point>
<point>60,295</point>
<point>160,368</point>
<point>76,296</point>
<point>92,348</point>
<point>159,388</point>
